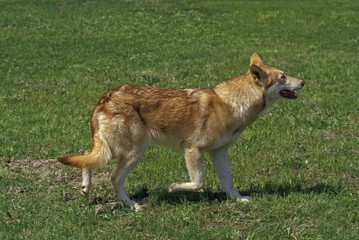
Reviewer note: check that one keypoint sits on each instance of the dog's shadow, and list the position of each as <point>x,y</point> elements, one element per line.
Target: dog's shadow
<point>160,196</point>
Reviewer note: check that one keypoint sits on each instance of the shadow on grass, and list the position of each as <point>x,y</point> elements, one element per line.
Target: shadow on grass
<point>285,189</point>
<point>162,196</point>
<point>192,197</point>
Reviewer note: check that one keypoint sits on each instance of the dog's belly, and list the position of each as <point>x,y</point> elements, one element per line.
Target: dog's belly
<point>203,143</point>
<point>224,140</point>
<point>168,140</point>
<point>171,143</point>
<point>206,140</point>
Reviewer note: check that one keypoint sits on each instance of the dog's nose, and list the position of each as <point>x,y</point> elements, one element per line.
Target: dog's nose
<point>302,83</point>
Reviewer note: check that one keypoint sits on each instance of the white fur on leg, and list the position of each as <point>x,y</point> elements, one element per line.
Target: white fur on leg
<point>194,163</point>
<point>221,165</point>
<point>118,179</point>
<point>86,181</point>
<point>186,186</point>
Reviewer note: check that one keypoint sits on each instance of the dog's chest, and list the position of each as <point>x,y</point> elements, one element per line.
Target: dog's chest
<point>227,138</point>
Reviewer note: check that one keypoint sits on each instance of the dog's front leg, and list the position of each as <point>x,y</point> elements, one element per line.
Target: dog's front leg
<point>221,164</point>
<point>194,162</point>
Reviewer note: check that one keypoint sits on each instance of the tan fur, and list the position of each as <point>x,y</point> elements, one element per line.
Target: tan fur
<point>192,120</point>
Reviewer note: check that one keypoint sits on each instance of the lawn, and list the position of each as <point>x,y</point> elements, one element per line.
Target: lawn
<point>299,161</point>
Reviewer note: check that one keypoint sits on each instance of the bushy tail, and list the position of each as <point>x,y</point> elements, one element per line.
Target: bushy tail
<point>99,155</point>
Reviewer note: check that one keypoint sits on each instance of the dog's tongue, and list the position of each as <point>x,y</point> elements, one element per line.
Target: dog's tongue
<point>288,94</point>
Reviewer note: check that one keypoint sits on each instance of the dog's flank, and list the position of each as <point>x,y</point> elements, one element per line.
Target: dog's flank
<point>192,120</point>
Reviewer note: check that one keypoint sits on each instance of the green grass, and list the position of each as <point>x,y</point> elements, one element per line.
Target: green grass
<point>300,161</point>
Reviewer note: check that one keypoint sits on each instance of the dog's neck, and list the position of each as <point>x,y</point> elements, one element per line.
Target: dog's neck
<point>247,101</point>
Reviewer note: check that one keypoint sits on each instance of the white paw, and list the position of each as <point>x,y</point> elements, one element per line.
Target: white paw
<point>172,187</point>
<point>85,191</point>
<point>244,199</point>
<point>137,207</point>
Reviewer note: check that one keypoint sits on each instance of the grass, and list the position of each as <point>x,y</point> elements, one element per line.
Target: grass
<point>299,161</point>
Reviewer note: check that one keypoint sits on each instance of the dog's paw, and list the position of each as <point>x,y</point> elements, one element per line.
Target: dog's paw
<point>172,187</point>
<point>138,207</point>
<point>244,199</point>
<point>85,191</point>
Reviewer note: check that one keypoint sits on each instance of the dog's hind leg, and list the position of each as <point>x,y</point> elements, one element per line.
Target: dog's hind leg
<point>194,162</point>
<point>86,181</point>
<point>126,162</point>
<point>221,164</point>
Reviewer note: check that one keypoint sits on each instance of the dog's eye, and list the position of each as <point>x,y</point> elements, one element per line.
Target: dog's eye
<point>283,77</point>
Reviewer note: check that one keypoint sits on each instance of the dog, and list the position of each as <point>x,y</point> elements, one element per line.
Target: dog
<point>193,121</point>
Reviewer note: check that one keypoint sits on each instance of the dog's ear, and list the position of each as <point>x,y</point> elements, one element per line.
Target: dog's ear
<point>258,74</point>
<point>256,60</point>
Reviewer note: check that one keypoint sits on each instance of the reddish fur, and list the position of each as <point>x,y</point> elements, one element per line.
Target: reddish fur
<point>193,120</point>
<point>172,116</point>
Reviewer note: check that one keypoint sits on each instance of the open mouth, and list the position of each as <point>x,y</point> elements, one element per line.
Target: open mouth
<point>288,94</point>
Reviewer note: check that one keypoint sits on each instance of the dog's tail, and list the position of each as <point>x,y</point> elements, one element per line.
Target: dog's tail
<point>99,155</point>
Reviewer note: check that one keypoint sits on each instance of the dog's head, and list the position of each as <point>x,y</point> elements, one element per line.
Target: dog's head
<point>274,82</point>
